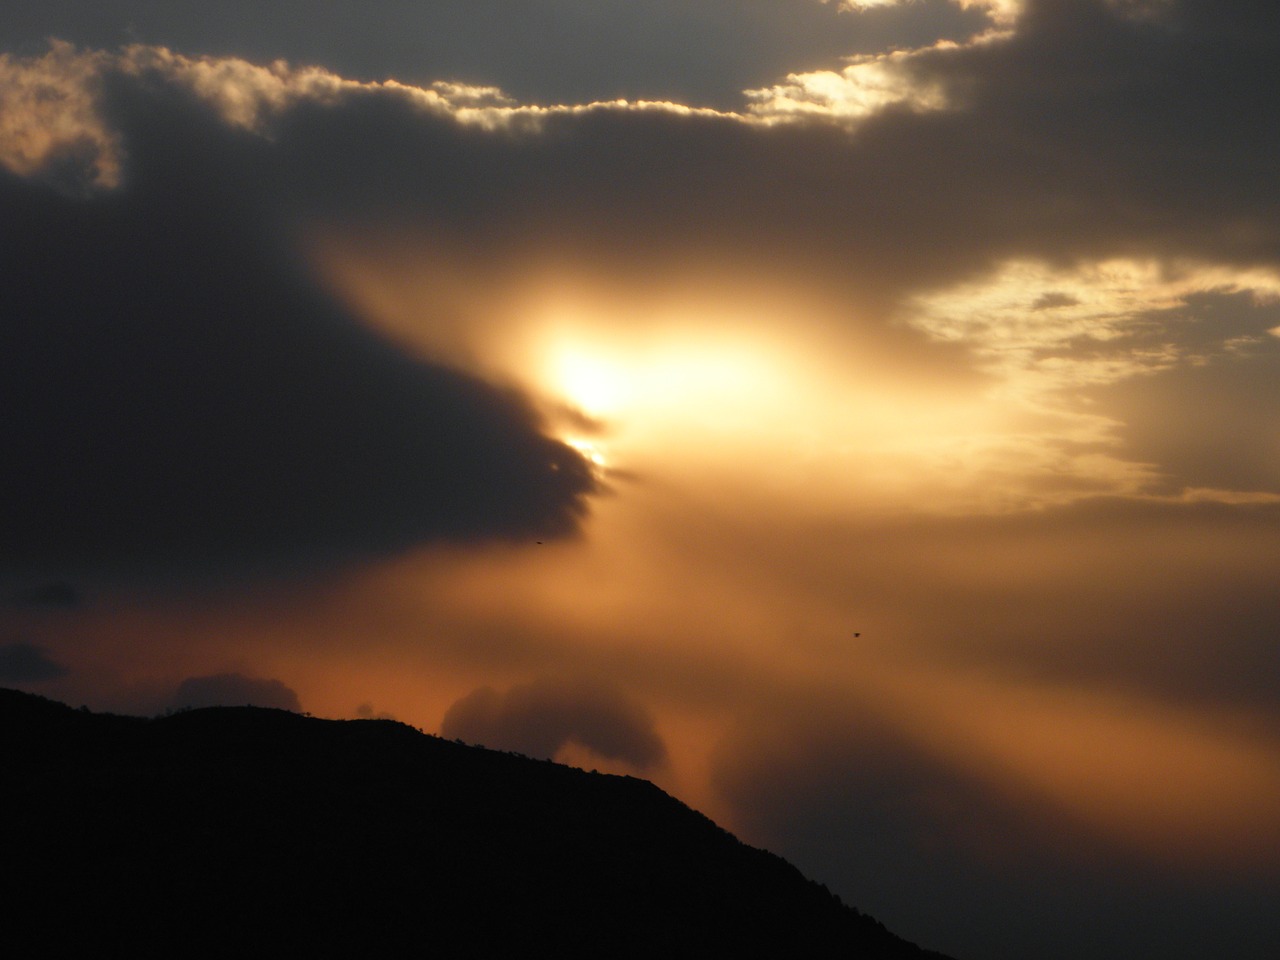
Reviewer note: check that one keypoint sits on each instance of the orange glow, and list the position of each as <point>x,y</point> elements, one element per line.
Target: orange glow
<point>778,389</point>
<point>753,438</point>
<point>1178,786</point>
<point>692,395</point>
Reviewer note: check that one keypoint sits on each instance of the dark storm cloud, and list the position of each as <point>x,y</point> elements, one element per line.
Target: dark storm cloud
<point>26,663</point>
<point>234,690</point>
<point>972,870</point>
<point>538,50</point>
<point>177,389</point>
<point>1123,133</point>
<point>540,718</point>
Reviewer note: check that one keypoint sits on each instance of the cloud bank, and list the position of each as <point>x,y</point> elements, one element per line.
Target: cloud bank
<point>964,184</point>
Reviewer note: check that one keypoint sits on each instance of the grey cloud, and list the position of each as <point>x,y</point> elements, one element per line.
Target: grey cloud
<point>1086,134</point>
<point>1124,132</point>
<point>234,690</point>
<point>540,718</point>
<point>22,663</point>
<point>183,397</point>
<point>1050,152</point>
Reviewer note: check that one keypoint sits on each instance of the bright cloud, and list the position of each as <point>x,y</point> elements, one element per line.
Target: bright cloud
<point>48,115</point>
<point>1097,323</point>
<point>866,86</point>
<point>1000,11</point>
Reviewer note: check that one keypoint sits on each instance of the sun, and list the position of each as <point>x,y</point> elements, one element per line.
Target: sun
<point>591,451</point>
<point>670,393</point>
<point>589,382</point>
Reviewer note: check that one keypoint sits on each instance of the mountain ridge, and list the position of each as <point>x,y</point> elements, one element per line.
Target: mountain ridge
<point>264,831</point>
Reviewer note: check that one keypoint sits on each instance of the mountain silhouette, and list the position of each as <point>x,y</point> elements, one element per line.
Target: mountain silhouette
<point>252,832</point>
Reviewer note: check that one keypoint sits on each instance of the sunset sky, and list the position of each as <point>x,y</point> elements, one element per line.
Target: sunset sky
<point>862,419</point>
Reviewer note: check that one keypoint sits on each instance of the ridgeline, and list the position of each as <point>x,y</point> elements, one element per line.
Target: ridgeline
<point>245,831</point>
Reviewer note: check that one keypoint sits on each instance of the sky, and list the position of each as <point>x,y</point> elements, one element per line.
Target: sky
<point>862,419</point>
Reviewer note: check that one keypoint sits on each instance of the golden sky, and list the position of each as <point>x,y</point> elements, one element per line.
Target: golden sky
<point>868,431</point>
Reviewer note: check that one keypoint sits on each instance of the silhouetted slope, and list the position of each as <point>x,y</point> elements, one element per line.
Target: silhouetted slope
<point>251,831</point>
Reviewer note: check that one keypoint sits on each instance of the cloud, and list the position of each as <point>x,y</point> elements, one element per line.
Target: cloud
<point>1001,11</point>
<point>22,663</point>
<point>540,718</point>
<point>234,690</point>
<point>584,50</point>
<point>48,121</point>
<point>1018,158</point>
<point>182,394</point>
<point>869,85</point>
<point>1009,236</point>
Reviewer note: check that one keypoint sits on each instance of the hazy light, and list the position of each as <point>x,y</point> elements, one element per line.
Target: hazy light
<point>778,393</point>
<point>688,394</point>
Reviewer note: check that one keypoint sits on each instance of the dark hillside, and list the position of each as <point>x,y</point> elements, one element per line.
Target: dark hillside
<point>253,832</point>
